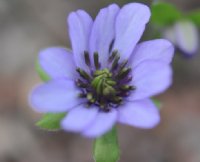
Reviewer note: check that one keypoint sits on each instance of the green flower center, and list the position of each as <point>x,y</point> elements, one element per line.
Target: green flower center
<point>105,88</point>
<point>103,83</point>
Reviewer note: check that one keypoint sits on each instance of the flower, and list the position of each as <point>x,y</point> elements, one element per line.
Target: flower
<point>184,34</point>
<point>107,77</point>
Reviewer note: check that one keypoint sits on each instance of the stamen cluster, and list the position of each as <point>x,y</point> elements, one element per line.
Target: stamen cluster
<point>106,87</point>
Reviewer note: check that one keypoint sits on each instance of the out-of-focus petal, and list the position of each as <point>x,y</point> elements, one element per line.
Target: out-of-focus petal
<point>104,122</point>
<point>187,37</point>
<point>184,34</point>
<point>80,24</point>
<point>169,33</point>
<point>103,32</point>
<point>57,62</point>
<point>142,114</point>
<point>150,78</point>
<point>158,50</point>
<point>130,25</point>
<point>79,118</point>
<point>55,96</point>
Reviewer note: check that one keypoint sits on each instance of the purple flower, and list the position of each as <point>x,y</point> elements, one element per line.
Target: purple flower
<point>184,35</point>
<point>107,77</point>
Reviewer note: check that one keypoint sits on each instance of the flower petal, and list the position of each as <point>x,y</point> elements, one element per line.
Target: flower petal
<point>158,50</point>
<point>104,122</point>
<point>170,34</point>
<point>142,114</point>
<point>80,24</point>
<point>130,25</point>
<point>150,78</point>
<point>187,37</point>
<point>57,62</point>
<point>55,96</point>
<point>102,33</point>
<point>79,118</point>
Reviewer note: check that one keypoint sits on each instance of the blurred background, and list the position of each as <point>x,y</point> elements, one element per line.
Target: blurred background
<point>27,26</point>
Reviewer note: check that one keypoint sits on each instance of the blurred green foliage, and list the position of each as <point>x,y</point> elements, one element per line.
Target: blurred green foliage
<point>106,148</point>
<point>41,72</point>
<point>51,121</point>
<point>194,16</point>
<point>165,14</point>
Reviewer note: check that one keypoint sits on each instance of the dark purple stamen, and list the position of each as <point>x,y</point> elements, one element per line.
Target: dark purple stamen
<point>107,87</point>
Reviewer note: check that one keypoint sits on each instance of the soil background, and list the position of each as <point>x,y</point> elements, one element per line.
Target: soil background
<point>27,26</point>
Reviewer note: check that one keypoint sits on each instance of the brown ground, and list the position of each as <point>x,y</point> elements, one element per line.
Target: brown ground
<point>25,28</point>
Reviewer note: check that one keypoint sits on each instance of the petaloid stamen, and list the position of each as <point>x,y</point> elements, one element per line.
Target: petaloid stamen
<point>123,73</point>
<point>82,95</point>
<point>111,45</point>
<point>117,100</point>
<point>115,62</point>
<point>87,58</point>
<point>123,64</point>
<point>90,98</point>
<point>83,74</point>
<point>81,84</point>
<point>105,88</point>
<point>113,55</point>
<point>126,87</point>
<point>96,60</point>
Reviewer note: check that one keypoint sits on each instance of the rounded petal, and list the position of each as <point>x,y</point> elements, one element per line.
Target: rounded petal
<point>187,37</point>
<point>55,96</point>
<point>142,114</point>
<point>169,33</point>
<point>79,118</point>
<point>104,122</point>
<point>150,78</point>
<point>130,25</point>
<point>57,62</point>
<point>158,50</point>
<point>102,33</point>
<point>80,24</point>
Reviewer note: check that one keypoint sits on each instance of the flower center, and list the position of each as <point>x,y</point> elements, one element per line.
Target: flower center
<point>103,83</point>
<point>106,87</point>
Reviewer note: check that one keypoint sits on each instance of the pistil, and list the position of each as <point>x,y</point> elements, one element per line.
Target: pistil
<point>105,88</point>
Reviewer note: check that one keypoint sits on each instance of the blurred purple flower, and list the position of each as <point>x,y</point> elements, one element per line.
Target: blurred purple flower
<point>184,35</point>
<point>108,77</point>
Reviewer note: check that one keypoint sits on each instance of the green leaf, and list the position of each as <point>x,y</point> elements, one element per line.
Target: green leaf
<point>106,148</point>
<point>194,16</point>
<point>157,103</point>
<point>41,72</point>
<point>51,121</point>
<point>164,14</point>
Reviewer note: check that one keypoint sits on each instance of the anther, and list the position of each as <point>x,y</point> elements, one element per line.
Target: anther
<point>113,55</point>
<point>117,99</point>
<point>81,84</point>
<point>111,45</point>
<point>132,87</point>
<point>82,95</point>
<point>123,73</point>
<point>115,62</point>
<point>96,60</point>
<point>83,74</point>
<point>127,87</point>
<point>89,96</point>
<point>123,64</point>
<point>87,58</point>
